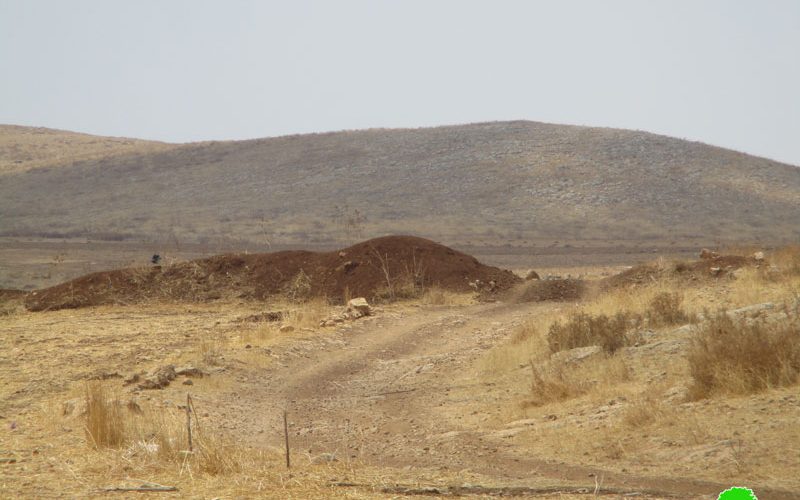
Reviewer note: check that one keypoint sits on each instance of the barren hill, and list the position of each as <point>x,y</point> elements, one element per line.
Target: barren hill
<point>521,183</point>
<point>25,148</point>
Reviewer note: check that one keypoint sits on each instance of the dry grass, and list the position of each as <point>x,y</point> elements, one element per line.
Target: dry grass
<point>581,329</point>
<point>105,418</point>
<point>739,356</point>
<point>435,296</point>
<point>307,314</point>
<point>665,310</point>
<point>644,412</point>
<point>555,382</point>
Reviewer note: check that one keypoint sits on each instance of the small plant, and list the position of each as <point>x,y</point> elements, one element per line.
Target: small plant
<point>665,309</point>
<point>643,413</point>
<point>105,420</point>
<point>737,356</point>
<point>582,329</point>
<point>299,288</point>
<point>553,384</point>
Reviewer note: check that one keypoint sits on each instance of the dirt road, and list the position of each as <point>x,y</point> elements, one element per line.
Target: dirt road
<point>402,390</point>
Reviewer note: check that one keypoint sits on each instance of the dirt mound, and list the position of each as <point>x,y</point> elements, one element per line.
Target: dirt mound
<point>704,269</point>
<point>7,294</point>
<point>553,290</point>
<point>382,267</point>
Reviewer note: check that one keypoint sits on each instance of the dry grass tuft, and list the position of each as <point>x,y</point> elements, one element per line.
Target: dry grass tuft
<point>558,382</point>
<point>739,356</point>
<point>435,296</point>
<point>582,329</point>
<point>307,314</point>
<point>643,413</point>
<point>105,418</point>
<point>665,310</point>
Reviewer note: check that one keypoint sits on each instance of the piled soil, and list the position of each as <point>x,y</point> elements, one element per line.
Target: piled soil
<point>365,269</point>
<point>7,294</point>
<point>705,269</point>
<point>553,290</point>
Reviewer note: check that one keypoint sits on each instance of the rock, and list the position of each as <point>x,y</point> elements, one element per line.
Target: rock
<point>134,407</point>
<point>715,271</point>
<point>188,381</point>
<point>532,275</point>
<point>159,378</point>
<point>269,316</point>
<point>520,423</point>
<point>359,304</point>
<point>324,458</point>
<point>577,355</point>
<point>707,254</point>
<point>190,371</point>
<point>758,256</point>
<point>347,266</point>
<point>132,379</point>
<point>751,311</point>
<point>286,329</point>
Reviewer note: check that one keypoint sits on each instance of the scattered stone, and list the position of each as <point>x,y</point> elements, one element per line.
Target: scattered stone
<point>160,378</point>
<point>104,375</point>
<point>359,304</point>
<point>269,316</point>
<point>132,379</point>
<point>286,329</point>
<point>347,266</point>
<point>324,458</point>
<point>576,355</point>
<point>707,254</point>
<point>190,371</point>
<point>751,311</point>
<point>532,275</point>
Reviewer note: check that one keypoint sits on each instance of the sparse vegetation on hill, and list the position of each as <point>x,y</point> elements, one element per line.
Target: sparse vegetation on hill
<point>489,183</point>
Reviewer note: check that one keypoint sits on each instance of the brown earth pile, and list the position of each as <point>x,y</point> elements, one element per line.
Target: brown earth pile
<point>712,268</point>
<point>553,290</point>
<point>366,269</point>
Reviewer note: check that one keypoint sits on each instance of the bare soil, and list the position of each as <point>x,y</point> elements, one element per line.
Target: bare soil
<point>381,265</point>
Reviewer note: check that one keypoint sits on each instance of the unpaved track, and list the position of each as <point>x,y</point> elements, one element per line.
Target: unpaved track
<point>399,390</point>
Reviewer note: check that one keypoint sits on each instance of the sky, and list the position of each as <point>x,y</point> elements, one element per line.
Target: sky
<point>723,72</point>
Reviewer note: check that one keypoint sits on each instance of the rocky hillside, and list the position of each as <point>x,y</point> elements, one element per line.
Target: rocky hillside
<point>489,183</point>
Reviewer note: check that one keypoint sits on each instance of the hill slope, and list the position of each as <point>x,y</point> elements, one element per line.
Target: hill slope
<point>26,148</point>
<point>518,182</point>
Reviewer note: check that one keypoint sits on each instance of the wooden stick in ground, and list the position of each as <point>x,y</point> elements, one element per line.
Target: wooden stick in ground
<point>286,438</point>
<point>189,419</point>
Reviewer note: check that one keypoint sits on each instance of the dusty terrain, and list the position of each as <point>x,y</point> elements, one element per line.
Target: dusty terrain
<point>430,393</point>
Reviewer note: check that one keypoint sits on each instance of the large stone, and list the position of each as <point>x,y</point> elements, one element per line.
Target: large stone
<point>758,256</point>
<point>159,378</point>
<point>532,275</point>
<point>359,304</point>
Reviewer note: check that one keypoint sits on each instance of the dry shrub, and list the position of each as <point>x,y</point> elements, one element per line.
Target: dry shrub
<point>643,413</point>
<point>154,438</point>
<point>665,310</point>
<point>525,332</point>
<point>582,329</point>
<point>787,260</point>
<point>739,356</point>
<point>435,296</point>
<point>299,288</point>
<point>552,384</point>
<point>105,418</point>
<point>308,314</point>
<point>557,382</point>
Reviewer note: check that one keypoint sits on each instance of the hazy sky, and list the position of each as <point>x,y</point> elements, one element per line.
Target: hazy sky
<point>724,72</point>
